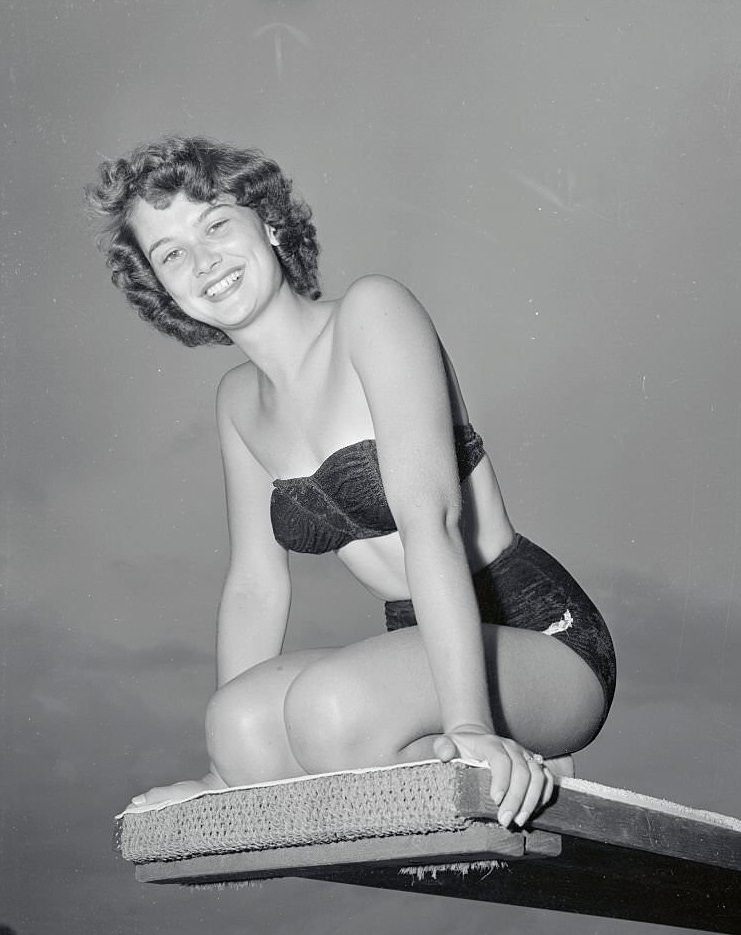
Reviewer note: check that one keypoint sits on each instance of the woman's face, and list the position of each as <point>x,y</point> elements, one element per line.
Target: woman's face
<point>215,259</point>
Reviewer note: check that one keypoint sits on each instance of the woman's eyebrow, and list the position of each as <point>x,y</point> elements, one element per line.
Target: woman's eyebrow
<point>204,214</point>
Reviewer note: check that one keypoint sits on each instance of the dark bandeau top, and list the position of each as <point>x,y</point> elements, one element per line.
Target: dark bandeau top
<point>344,499</point>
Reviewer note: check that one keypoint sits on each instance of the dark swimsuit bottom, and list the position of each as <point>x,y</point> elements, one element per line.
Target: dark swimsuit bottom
<point>525,587</point>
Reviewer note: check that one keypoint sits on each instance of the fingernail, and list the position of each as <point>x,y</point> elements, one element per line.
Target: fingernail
<point>139,800</point>
<point>498,796</point>
<point>520,818</point>
<point>505,818</point>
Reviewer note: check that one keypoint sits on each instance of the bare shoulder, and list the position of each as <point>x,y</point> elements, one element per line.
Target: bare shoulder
<point>235,387</point>
<point>376,295</point>
<point>234,410</point>
<point>379,306</point>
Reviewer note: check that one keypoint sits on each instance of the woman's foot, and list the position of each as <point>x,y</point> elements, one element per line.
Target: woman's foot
<point>177,792</point>
<point>561,766</point>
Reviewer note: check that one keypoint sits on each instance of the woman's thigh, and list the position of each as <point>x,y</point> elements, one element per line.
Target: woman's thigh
<point>542,693</point>
<point>374,702</point>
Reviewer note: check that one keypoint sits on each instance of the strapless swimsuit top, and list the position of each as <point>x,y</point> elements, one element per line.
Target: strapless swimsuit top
<point>344,499</point>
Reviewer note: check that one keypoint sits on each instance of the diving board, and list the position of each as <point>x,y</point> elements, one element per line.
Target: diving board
<point>430,828</point>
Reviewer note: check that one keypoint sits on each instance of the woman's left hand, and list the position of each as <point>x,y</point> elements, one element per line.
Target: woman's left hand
<point>520,782</point>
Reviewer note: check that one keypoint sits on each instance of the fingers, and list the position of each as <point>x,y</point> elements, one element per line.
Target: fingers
<point>549,787</point>
<point>530,786</point>
<point>501,775</point>
<point>534,793</point>
<point>520,780</point>
<point>444,748</point>
<point>519,783</point>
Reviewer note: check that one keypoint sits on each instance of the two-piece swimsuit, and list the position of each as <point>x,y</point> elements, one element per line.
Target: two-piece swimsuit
<point>524,586</point>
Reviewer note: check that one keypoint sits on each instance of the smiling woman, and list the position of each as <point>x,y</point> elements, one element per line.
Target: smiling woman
<point>345,430</point>
<point>217,263</point>
<point>203,171</point>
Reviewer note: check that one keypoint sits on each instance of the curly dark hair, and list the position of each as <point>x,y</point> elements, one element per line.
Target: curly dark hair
<point>202,169</point>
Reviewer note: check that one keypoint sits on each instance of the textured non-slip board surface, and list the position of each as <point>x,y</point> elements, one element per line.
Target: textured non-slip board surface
<point>416,798</point>
<point>594,850</point>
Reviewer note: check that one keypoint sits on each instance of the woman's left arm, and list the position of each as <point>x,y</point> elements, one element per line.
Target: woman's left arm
<point>396,352</point>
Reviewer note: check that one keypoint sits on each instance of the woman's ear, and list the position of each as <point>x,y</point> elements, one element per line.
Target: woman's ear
<point>272,236</point>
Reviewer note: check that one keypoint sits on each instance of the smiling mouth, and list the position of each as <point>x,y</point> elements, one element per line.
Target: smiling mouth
<point>220,287</point>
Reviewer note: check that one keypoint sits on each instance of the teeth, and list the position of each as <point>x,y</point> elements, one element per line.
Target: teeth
<point>223,284</point>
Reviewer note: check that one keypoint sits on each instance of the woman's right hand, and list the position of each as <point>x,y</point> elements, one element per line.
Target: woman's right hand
<point>178,791</point>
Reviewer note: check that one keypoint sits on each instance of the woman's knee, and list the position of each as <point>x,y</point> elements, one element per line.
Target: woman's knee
<point>328,718</point>
<point>235,716</point>
<point>244,721</point>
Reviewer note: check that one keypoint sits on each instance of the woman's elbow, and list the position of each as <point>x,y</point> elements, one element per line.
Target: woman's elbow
<point>432,521</point>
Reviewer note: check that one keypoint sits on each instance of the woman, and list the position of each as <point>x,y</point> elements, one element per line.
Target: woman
<point>345,430</point>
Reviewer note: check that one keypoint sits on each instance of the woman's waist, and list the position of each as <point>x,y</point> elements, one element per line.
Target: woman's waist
<point>378,563</point>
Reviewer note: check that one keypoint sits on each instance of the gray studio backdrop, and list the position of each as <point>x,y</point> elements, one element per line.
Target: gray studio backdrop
<point>559,184</point>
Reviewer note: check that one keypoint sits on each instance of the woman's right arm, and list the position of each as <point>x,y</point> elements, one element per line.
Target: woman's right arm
<point>253,612</point>
<point>256,598</point>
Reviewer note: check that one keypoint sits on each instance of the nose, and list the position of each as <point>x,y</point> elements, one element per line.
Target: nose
<point>205,259</point>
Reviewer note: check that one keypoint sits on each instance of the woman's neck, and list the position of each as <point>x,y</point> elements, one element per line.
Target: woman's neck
<point>279,339</point>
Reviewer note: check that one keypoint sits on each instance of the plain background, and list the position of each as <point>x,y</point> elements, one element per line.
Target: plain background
<point>559,184</point>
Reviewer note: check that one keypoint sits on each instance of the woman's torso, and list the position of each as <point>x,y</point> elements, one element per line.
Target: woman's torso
<point>294,428</point>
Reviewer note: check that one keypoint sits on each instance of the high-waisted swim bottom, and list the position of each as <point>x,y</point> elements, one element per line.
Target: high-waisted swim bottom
<point>526,587</point>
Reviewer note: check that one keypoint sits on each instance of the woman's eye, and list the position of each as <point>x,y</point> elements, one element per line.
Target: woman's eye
<point>217,225</point>
<point>171,256</point>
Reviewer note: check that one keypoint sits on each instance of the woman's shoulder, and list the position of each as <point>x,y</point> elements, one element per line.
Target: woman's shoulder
<point>236,383</point>
<point>374,288</point>
<point>374,298</point>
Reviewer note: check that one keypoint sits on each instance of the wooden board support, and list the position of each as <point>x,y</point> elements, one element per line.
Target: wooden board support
<point>588,878</point>
<point>612,816</point>
<point>594,850</point>
<point>480,842</point>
